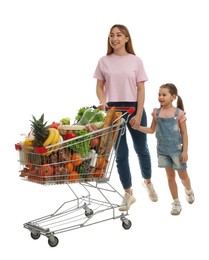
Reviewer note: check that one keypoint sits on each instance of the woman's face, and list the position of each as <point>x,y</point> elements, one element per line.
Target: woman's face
<point>117,39</point>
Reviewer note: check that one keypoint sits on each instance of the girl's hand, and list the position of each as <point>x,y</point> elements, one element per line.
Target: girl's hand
<point>184,157</point>
<point>137,127</point>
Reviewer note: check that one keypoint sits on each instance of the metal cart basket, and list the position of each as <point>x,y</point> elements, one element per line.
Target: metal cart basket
<point>70,163</point>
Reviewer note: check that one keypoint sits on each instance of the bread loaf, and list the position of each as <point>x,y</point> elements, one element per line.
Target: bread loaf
<point>113,133</point>
<point>105,134</point>
<point>109,136</point>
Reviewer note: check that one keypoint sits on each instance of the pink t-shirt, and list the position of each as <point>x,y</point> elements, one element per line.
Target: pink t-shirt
<point>169,113</point>
<point>121,75</point>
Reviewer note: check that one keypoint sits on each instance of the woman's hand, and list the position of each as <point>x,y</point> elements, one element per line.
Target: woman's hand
<point>102,107</point>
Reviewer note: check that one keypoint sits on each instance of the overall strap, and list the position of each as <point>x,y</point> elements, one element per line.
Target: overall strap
<point>157,112</point>
<point>177,112</point>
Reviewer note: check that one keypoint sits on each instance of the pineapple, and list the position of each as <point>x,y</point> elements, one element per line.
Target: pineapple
<point>40,131</point>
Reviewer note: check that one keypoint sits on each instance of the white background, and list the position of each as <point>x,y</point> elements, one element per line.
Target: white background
<point>48,54</point>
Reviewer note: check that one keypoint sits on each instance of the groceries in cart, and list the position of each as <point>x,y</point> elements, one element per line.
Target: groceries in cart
<point>62,152</point>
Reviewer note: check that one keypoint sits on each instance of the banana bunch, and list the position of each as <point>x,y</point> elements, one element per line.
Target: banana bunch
<point>53,138</point>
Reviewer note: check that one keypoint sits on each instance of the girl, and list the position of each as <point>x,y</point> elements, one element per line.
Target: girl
<point>120,82</point>
<point>169,123</point>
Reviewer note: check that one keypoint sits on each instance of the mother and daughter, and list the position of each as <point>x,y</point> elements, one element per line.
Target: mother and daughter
<point>120,78</point>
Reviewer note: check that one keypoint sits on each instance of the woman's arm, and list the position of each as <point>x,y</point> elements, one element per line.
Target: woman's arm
<point>100,94</point>
<point>184,135</point>
<point>136,120</point>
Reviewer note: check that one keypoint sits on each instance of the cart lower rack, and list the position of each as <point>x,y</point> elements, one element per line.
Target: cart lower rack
<point>77,213</point>
<point>82,168</point>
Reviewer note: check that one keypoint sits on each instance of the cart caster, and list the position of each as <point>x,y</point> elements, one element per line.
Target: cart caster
<point>126,223</point>
<point>35,235</point>
<point>88,212</point>
<point>53,241</point>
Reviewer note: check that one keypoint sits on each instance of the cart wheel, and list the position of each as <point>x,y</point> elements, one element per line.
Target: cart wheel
<point>53,241</point>
<point>88,212</point>
<point>35,235</point>
<point>126,224</point>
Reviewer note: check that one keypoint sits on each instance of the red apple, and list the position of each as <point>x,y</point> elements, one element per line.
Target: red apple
<point>69,135</point>
<point>46,170</point>
<point>94,142</point>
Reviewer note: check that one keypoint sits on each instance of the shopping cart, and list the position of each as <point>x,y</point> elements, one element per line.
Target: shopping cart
<point>89,173</point>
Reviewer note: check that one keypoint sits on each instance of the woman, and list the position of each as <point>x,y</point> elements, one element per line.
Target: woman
<point>120,82</point>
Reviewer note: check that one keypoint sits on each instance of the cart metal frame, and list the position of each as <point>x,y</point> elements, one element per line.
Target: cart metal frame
<point>83,210</point>
<point>80,212</point>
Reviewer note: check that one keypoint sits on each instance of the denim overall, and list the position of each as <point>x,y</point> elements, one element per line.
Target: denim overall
<point>169,142</point>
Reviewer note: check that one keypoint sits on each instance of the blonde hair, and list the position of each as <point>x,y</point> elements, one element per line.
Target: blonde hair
<point>173,91</point>
<point>124,30</point>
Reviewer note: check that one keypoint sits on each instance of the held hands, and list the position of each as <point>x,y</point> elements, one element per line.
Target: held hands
<point>134,122</point>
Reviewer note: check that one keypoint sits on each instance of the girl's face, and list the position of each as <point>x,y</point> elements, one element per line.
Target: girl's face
<point>165,97</point>
<point>117,39</point>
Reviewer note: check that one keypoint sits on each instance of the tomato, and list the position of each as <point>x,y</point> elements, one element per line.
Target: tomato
<point>69,135</point>
<point>54,125</point>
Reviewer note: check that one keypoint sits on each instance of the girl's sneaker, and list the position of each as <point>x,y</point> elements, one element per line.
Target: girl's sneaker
<point>176,207</point>
<point>190,196</point>
<point>127,201</point>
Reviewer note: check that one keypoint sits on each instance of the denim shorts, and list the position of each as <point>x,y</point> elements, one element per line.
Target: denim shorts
<point>172,160</point>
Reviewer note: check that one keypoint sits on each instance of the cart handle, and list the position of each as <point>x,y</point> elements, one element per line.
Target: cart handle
<point>129,110</point>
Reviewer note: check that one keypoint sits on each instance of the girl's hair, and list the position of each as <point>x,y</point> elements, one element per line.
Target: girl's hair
<point>173,91</point>
<point>124,30</point>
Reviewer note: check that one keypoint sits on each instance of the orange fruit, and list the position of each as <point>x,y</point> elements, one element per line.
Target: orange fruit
<point>101,163</point>
<point>69,166</point>
<point>73,176</point>
<point>99,173</point>
<point>76,159</point>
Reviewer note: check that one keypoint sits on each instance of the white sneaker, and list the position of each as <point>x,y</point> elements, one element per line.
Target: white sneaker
<point>127,201</point>
<point>190,196</point>
<point>176,207</point>
<point>151,191</point>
